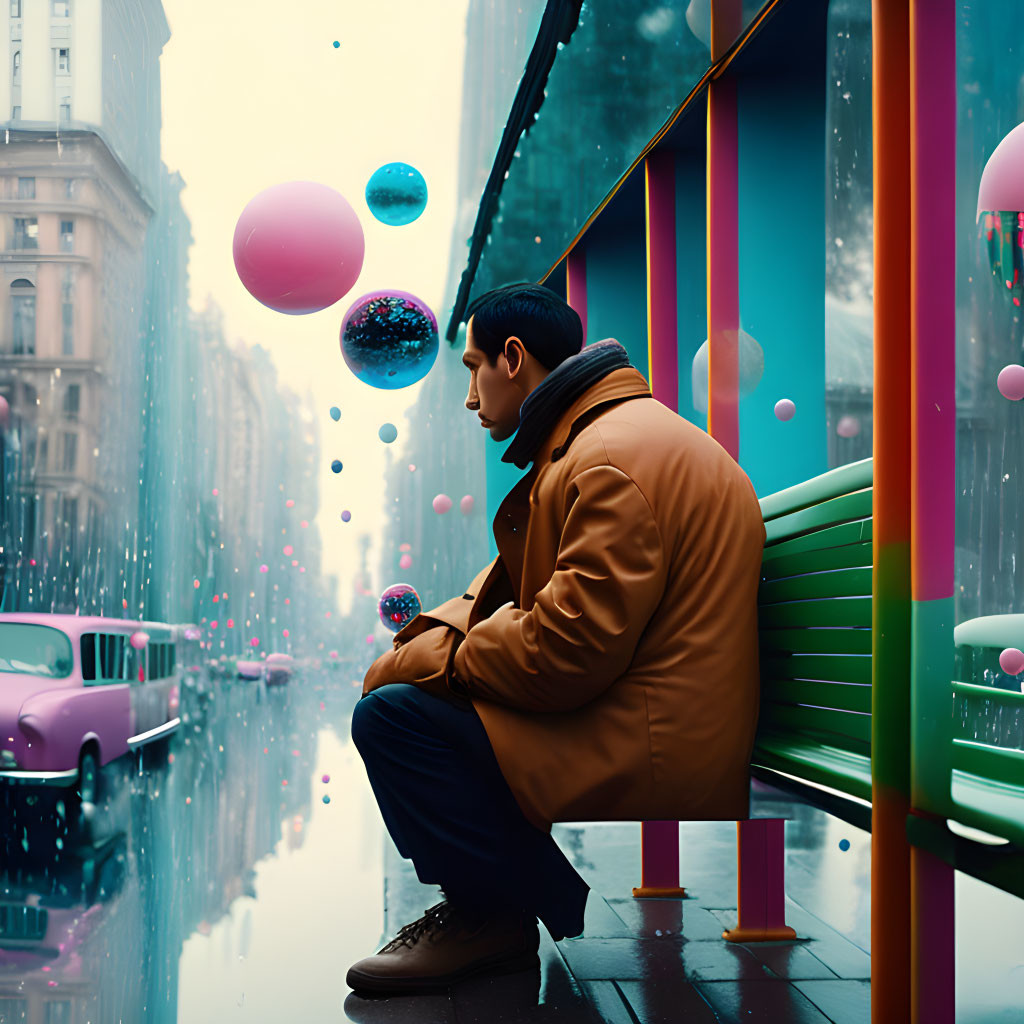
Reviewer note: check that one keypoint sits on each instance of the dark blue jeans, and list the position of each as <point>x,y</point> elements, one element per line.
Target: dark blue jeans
<point>450,811</point>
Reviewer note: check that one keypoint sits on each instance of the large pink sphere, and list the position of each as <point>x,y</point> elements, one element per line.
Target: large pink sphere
<point>466,504</point>
<point>138,640</point>
<point>298,247</point>
<point>848,426</point>
<point>1011,382</point>
<point>442,503</point>
<point>1011,661</point>
<point>785,409</point>
<point>405,562</point>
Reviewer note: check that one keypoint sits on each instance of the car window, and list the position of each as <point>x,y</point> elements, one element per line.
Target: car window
<point>34,650</point>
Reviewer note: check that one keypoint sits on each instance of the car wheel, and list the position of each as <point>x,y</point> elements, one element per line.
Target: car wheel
<point>87,791</point>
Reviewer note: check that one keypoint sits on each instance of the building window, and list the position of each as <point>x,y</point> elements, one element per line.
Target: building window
<point>15,113</point>
<point>64,60</point>
<point>67,236</point>
<point>72,402</point>
<point>70,453</point>
<point>16,67</point>
<point>43,457</point>
<point>60,8</point>
<point>23,311</point>
<point>26,188</point>
<point>67,329</point>
<point>26,233</point>
<point>65,109</point>
<point>15,8</point>
<point>70,188</point>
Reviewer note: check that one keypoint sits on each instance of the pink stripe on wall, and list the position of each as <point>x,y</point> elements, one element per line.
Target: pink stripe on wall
<point>576,284</point>
<point>662,330</point>
<point>933,297</point>
<point>723,266</point>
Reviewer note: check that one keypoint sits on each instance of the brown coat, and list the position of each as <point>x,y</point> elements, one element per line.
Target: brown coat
<point>624,683</point>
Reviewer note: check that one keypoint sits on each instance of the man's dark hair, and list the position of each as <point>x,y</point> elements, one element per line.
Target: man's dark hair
<point>549,328</point>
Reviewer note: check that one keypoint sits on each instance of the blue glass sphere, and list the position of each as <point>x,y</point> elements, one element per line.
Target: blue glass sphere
<point>336,466</point>
<point>335,413</point>
<point>398,605</point>
<point>389,339</point>
<point>396,194</point>
<point>844,845</point>
<point>387,433</point>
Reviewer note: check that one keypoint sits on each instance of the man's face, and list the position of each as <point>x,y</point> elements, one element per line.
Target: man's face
<point>493,395</point>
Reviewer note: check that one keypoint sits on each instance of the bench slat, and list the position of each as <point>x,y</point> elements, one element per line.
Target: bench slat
<point>999,765</point>
<point>815,641</point>
<point>822,540</point>
<point>840,611</point>
<point>854,476</point>
<point>839,696</point>
<point>828,765</point>
<point>818,517</point>
<point>992,807</point>
<point>845,557</point>
<point>843,729</point>
<point>836,583</point>
<point>836,668</point>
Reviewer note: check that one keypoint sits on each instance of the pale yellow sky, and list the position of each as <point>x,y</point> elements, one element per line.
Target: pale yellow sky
<point>255,94</point>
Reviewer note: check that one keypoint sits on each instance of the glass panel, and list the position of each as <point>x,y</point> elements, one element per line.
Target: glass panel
<point>38,650</point>
<point>622,74</point>
<point>990,336</point>
<point>849,267</point>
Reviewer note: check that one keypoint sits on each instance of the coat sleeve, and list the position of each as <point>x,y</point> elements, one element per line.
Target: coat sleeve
<point>584,626</point>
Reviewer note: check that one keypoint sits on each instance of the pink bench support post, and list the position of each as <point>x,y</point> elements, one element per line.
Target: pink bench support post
<point>761,883</point>
<point>659,874</point>
<point>576,284</point>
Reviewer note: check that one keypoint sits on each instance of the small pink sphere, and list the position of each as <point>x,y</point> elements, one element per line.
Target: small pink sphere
<point>284,633</point>
<point>139,640</point>
<point>288,549</point>
<point>302,568</point>
<point>785,409</point>
<point>333,654</point>
<point>255,641</point>
<point>1011,382</point>
<point>346,516</point>
<point>213,625</point>
<point>442,503</point>
<point>1011,661</point>
<point>405,547</point>
<point>5,413</point>
<point>466,504</point>
<point>289,503</point>
<point>405,562</point>
<point>298,247</point>
<point>325,778</point>
<point>369,638</point>
<point>264,568</point>
<point>848,426</point>
<point>295,562</point>
<point>215,492</point>
<point>412,468</point>
<point>304,524</point>
<point>195,584</point>
<point>231,623</point>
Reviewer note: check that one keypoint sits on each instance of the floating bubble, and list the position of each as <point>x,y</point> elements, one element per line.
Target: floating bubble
<point>1011,382</point>
<point>1011,661</point>
<point>346,516</point>
<point>442,503</point>
<point>332,654</point>
<point>213,625</point>
<point>215,492</point>
<point>298,247</point>
<point>326,799</point>
<point>466,504</point>
<point>389,339</point>
<point>369,638</point>
<point>405,562</point>
<point>138,640</point>
<point>289,503</point>
<point>216,598</point>
<point>336,466</point>
<point>264,568</point>
<point>785,409</point>
<point>195,584</point>
<point>848,426</point>
<point>398,605</point>
<point>304,524</point>
<point>288,549</point>
<point>751,369</point>
<point>284,633</point>
<point>325,778</point>
<point>387,433</point>
<point>844,845</point>
<point>231,623</point>
<point>255,641</point>
<point>396,194</point>
<point>335,413</point>
<point>412,468</point>
<point>336,44</point>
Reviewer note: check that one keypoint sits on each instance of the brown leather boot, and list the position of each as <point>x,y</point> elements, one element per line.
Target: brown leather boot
<point>445,946</point>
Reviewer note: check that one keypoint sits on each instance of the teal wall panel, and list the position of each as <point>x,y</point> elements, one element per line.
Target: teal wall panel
<point>691,273</point>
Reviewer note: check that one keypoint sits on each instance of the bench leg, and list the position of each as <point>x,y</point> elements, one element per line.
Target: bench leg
<point>761,865</point>
<point>659,876</point>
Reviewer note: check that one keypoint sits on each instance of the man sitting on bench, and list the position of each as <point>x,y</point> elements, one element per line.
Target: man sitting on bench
<point>603,667</point>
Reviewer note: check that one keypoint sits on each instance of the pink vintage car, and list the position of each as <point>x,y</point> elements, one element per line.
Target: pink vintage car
<point>279,668</point>
<point>77,692</point>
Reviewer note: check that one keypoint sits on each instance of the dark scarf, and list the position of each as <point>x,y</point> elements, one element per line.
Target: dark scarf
<point>547,402</point>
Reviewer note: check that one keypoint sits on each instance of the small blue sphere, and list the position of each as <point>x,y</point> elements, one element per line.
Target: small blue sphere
<point>326,799</point>
<point>844,845</point>
<point>336,44</point>
<point>336,466</point>
<point>335,413</point>
<point>396,194</point>
<point>387,433</point>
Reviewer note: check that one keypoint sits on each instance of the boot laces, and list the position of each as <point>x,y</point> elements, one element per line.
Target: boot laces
<point>433,920</point>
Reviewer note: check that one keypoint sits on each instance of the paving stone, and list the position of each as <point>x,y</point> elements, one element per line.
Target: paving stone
<point>790,960</point>
<point>671,1001</point>
<point>601,921</point>
<point>844,1002</point>
<point>771,1002</point>
<point>608,1001</point>
<point>423,1009</point>
<point>648,917</point>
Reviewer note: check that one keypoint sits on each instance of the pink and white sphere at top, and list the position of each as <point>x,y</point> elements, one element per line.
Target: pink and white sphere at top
<point>298,247</point>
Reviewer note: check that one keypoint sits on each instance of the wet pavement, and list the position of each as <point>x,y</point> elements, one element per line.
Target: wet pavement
<point>213,883</point>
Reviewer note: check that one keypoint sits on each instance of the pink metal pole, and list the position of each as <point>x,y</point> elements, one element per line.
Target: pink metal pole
<point>659,876</point>
<point>576,284</point>
<point>761,885</point>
